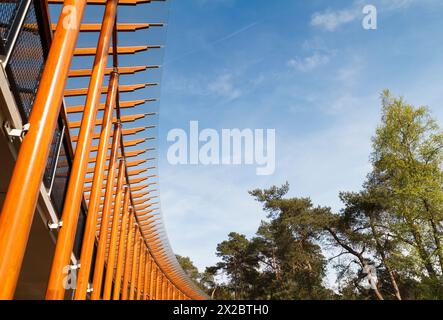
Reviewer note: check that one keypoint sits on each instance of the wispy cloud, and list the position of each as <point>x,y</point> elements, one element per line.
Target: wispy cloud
<point>223,86</point>
<point>309,63</point>
<point>215,42</point>
<point>324,119</point>
<point>331,20</point>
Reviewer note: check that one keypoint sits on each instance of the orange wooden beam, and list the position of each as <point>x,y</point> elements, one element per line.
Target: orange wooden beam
<point>106,216</point>
<point>130,243</point>
<point>74,195</point>
<point>128,143</point>
<point>135,258</point>
<point>93,205</point>
<point>120,50</point>
<point>124,88</point>
<point>114,231</point>
<point>128,165</point>
<point>148,271</point>
<point>125,132</point>
<point>122,27</point>
<point>128,118</point>
<point>20,202</point>
<point>123,105</point>
<point>75,73</point>
<point>123,242</point>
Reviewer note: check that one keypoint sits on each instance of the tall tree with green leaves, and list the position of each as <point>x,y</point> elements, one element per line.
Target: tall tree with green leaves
<point>240,264</point>
<point>289,245</point>
<point>387,240</point>
<point>407,161</point>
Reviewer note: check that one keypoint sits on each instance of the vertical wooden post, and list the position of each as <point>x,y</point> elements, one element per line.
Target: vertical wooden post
<point>114,232</point>
<point>135,257</point>
<point>164,288</point>
<point>121,247</point>
<point>174,293</point>
<point>158,294</point>
<point>148,270</point>
<point>170,293</point>
<point>129,246</point>
<point>153,282</point>
<point>106,217</point>
<point>74,194</point>
<point>168,290</point>
<point>140,269</point>
<point>96,191</point>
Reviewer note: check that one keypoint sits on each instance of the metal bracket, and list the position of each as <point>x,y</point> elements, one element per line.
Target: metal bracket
<point>75,266</point>
<point>53,226</point>
<point>19,133</point>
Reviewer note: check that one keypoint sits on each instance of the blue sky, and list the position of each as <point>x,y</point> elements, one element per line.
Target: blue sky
<point>305,68</point>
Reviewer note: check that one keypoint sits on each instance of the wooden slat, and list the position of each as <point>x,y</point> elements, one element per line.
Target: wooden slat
<point>129,143</point>
<point>120,50</point>
<point>125,132</point>
<point>121,70</point>
<point>128,118</point>
<point>130,174</point>
<point>129,164</point>
<point>123,105</point>
<point>125,88</point>
<point>129,154</point>
<point>122,27</point>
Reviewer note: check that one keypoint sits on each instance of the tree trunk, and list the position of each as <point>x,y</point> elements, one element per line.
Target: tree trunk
<point>435,234</point>
<point>360,258</point>
<point>424,255</point>
<point>437,244</point>
<point>384,259</point>
<point>374,286</point>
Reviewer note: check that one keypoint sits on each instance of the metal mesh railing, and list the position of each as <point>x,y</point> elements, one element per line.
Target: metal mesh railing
<point>26,63</point>
<point>51,170</point>
<point>57,173</point>
<point>8,13</point>
<point>24,68</point>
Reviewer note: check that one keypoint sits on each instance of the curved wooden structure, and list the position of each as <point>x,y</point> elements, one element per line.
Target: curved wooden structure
<point>124,245</point>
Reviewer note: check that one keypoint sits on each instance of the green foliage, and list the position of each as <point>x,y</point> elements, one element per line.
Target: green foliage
<point>189,267</point>
<point>283,260</point>
<point>386,242</point>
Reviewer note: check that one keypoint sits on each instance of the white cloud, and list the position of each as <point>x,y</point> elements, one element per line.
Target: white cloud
<point>201,205</point>
<point>223,86</point>
<point>309,63</point>
<point>331,20</point>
